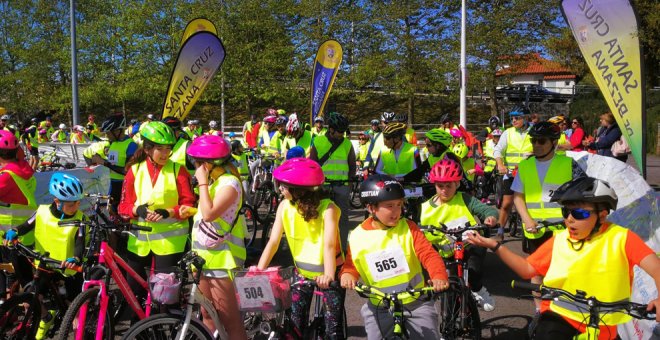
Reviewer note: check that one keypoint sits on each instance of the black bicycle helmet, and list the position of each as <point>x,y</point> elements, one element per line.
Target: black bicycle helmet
<point>545,130</point>
<point>378,188</point>
<point>387,116</point>
<point>401,118</point>
<point>235,144</point>
<point>585,189</point>
<point>113,123</point>
<point>494,121</point>
<point>173,122</point>
<point>337,122</point>
<point>393,130</point>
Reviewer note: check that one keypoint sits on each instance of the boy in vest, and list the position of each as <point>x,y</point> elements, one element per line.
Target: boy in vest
<point>591,254</point>
<point>454,209</point>
<point>63,243</point>
<point>120,151</point>
<point>398,157</point>
<point>387,233</point>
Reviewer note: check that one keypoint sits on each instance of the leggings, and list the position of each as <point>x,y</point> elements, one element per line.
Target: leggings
<point>334,309</point>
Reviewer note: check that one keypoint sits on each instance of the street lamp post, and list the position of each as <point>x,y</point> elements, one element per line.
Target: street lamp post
<point>74,64</point>
<point>463,100</point>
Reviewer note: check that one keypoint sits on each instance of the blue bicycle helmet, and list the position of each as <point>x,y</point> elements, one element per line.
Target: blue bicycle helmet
<point>65,187</point>
<point>519,111</point>
<point>295,152</point>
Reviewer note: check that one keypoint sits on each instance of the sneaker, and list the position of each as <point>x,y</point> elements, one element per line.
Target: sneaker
<point>45,324</point>
<point>531,329</point>
<point>484,300</point>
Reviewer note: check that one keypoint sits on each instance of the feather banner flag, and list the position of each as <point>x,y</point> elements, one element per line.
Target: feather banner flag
<point>326,64</point>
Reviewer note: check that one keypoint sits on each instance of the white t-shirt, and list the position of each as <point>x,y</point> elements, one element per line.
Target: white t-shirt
<point>541,168</point>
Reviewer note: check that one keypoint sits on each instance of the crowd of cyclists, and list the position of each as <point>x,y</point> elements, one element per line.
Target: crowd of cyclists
<point>189,187</point>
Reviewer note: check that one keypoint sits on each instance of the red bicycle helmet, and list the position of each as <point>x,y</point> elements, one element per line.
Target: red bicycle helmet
<point>446,170</point>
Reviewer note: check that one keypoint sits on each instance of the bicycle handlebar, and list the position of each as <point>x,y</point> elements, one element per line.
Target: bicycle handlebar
<point>363,289</point>
<point>312,283</point>
<point>454,231</point>
<point>79,223</point>
<point>42,258</point>
<point>636,310</point>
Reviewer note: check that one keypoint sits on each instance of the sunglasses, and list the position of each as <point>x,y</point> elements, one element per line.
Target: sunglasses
<point>539,141</point>
<point>577,213</point>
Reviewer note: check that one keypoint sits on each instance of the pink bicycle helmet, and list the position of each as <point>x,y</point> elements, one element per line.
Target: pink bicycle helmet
<point>209,147</point>
<point>7,140</point>
<point>456,133</point>
<point>446,170</point>
<point>270,119</point>
<point>496,132</point>
<point>292,126</point>
<point>271,112</point>
<point>301,172</point>
<point>42,131</point>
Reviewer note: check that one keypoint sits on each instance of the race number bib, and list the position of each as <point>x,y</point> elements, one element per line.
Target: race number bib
<point>387,263</point>
<point>254,291</point>
<point>457,223</point>
<point>547,191</point>
<point>113,156</point>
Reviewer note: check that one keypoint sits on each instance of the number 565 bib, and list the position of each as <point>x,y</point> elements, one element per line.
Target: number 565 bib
<point>387,263</point>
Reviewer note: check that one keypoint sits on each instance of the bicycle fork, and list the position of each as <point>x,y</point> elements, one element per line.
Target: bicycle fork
<point>82,314</point>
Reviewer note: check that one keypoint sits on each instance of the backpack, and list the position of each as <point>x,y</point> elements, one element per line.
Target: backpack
<point>620,147</point>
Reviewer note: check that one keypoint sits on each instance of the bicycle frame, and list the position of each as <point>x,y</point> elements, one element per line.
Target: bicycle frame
<point>197,298</point>
<point>109,258</point>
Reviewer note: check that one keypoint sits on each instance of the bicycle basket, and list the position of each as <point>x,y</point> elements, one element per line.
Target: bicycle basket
<point>266,290</point>
<point>165,285</point>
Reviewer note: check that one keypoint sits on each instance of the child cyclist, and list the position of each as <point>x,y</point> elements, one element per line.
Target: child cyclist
<point>454,209</point>
<point>386,232</point>
<point>311,226</point>
<point>218,231</point>
<point>63,243</point>
<point>592,255</point>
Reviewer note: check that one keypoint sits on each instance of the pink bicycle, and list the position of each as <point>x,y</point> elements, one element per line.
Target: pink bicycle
<point>82,320</point>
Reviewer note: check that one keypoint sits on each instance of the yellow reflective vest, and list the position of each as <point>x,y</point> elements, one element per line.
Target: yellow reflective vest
<point>117,156</point>
<point>398,167</point>
<point>453,214</point>
<point>15,214</point>
<point>336,167</point>
<point>169,235</point>
<point>375,250</point>
<point>537,194</point>
<point>230,253</point>
<point>600,269</point>
<point>241,163</point>
<point>50,237</point>
<point>489,149</point>
<point>304,142</point>
<point>305,239</point>
<point>517,148</point>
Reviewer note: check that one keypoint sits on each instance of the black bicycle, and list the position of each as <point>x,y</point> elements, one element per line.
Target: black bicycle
<point>592,308</point>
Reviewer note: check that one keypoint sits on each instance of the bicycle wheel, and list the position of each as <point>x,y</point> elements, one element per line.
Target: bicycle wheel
<point>252,224</point>
<point>70,324</point>
<point>459,315</point>
<point>165,326</point>
<point>19,317</point>
<point>514,224</point>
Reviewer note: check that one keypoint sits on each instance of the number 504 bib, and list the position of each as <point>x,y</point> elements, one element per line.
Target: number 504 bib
<point>387,263</point>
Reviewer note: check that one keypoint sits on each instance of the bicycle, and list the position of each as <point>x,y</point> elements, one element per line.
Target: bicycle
<point>264,194</point>
<point>21,313</point>
<point>102,269</point>
<point>458,307</point>
<point>548,228</point>
<point>50,161</point>
<point>416,194</point>
<point>252,225</point>
<point>588,305</point>
<point>185,323</point>
<point>393,303</point>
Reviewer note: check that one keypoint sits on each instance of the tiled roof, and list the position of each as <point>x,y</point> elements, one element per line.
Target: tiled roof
<point>559,76</point>
<point>532,64</point>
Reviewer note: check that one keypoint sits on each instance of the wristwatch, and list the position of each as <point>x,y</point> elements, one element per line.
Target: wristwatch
<point>494,249</point>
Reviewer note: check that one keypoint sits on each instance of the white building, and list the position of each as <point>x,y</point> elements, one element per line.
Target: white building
<point>534,69</point>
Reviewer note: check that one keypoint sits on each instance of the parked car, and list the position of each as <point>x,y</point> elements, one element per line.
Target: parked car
<point>530,92</point>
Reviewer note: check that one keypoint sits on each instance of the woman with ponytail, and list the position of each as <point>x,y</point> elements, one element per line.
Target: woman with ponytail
<point>218,229</point>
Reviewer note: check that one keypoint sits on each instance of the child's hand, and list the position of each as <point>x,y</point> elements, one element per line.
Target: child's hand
<point>186,211</point>
<point>348,281</point>
<point>439,285</point>
<point>323,281</point>
<point>478,240</point>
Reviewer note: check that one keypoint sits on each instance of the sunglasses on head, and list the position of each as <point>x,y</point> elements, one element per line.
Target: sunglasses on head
<point>577,213</point>
<point>539,141</point>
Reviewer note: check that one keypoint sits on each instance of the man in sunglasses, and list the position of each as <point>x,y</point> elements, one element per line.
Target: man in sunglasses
<point>592,255</point>
<point>513,147</point>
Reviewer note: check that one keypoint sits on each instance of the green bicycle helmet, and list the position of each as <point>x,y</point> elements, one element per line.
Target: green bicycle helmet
<point>158,133</point>
<point>439,136</point>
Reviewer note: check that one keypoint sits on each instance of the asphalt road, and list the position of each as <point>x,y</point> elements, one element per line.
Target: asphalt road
<point>509,320</point>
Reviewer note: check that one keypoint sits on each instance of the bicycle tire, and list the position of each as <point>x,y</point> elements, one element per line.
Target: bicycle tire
<point>19,317</point>
<point>514,224</point>
<point>252,225</point>
<point>453,324</point>
<point>165,326</point>
<point>315,330</point>
<point>90,297</point>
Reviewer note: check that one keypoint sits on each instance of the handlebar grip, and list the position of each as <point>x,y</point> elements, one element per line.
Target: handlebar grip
<point>73,223</point>
<point>139,227</point>
<point>526,285</point>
